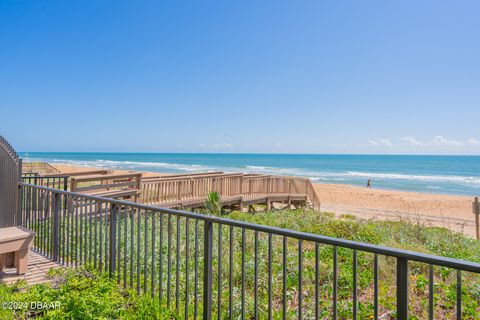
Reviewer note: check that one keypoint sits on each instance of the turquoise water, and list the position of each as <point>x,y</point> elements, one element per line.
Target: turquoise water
<point>433,174</point>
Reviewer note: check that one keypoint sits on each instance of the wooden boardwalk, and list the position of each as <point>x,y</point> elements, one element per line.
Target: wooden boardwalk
<point>38,267</point>
<point>237,190</point>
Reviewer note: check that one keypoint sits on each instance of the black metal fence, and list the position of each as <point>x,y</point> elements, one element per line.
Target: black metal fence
<point>10,171</point>
<point>211,267</point>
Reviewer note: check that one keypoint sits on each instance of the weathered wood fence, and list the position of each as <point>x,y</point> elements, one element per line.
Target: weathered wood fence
<point>10,175</point>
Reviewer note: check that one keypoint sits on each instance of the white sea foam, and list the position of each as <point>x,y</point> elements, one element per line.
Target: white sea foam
<point>467,180</point>
<point>349,175</point>
<point>138,165</point>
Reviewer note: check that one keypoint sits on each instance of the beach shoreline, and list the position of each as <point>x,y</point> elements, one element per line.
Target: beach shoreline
<point>450,211</point>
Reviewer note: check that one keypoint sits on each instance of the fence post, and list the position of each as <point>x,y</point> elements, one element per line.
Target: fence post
<point>207,269</point>
<point>55,226</point>
<point>19,194</point>
<point>112,235</point>
<point>402,289</point>
<point>476,211</point>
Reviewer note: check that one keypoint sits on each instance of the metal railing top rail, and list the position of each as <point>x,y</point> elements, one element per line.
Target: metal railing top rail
<point>361,246</point>
<point>9,149</point>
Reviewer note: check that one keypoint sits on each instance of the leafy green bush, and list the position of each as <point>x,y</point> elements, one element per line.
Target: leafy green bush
<point>80,294</point>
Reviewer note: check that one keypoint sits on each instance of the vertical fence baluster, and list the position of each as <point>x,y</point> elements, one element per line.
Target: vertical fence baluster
<point>402,289</point>
<point>160,271</point>
<point>430,292</point>
<point>300,289</point>
<point>152,269</point>
<point>187,267</point>
<point>106,232</point>
<point>145,253</point>
<point>195,293</point>
<point>270,311</point>
<point>100,235</point>
<point>113,230</point>
<point>119,241</point>
<point>139,228</point>
<point>230,276</point>
<point>132,240</point>
<point>255,281</point>
<point>219,276</point>
<point>355,290</point>
<point>459,294</point>
<point>375,286</point>
<point>317,281</point>
<point>169,256</point>
<point>61,230</point>
<point>177,271</point>
<point>97,217</point>
<point>91,206</point>
<point>76,231</point>
<point>243,274</point>
<point>335,283</point>
<point>284,279</point>
<point>56,226</point>
<point>82,235</point>
<point>207,269</point>
<point>125,245</point>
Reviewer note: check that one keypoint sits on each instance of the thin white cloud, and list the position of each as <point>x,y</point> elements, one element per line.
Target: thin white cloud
<point>412,141</point>
<point>222,145</point>
<point>380,142</point>
<point>278,144</point>
<point>442,141</point>
<point>473,141</point>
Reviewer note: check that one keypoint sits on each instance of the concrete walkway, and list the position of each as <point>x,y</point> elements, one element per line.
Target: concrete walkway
<point>38,267</point>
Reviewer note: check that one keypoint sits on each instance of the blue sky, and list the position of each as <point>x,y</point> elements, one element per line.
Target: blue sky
<point>241,76</point>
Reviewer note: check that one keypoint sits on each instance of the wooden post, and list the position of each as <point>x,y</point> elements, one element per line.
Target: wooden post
<point>73,184</point>
<point>179,192</point>
<point>476,211</point>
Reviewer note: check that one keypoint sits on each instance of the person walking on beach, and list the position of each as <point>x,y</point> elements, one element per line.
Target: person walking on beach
<point>369,183</point>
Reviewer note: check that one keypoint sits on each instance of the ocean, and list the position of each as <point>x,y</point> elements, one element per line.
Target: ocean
<point>458,175</point>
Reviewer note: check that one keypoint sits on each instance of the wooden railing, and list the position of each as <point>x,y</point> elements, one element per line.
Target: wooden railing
<point>180,188</point>
<point>108,185</point>
<point>170,189</point>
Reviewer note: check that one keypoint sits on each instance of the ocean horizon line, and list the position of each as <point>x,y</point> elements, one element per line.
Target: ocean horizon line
<point>260,153</point>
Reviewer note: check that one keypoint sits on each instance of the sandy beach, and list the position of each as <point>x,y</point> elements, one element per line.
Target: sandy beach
<point>450,211</point>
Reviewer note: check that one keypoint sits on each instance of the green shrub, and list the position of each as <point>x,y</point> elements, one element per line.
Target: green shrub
<point>81,294</point>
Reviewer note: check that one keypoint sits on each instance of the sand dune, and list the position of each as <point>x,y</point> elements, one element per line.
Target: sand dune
<point>453,212</point>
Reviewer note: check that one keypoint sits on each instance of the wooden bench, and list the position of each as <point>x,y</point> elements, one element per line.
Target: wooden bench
<point>116,186</point>
<point>16,240</point>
